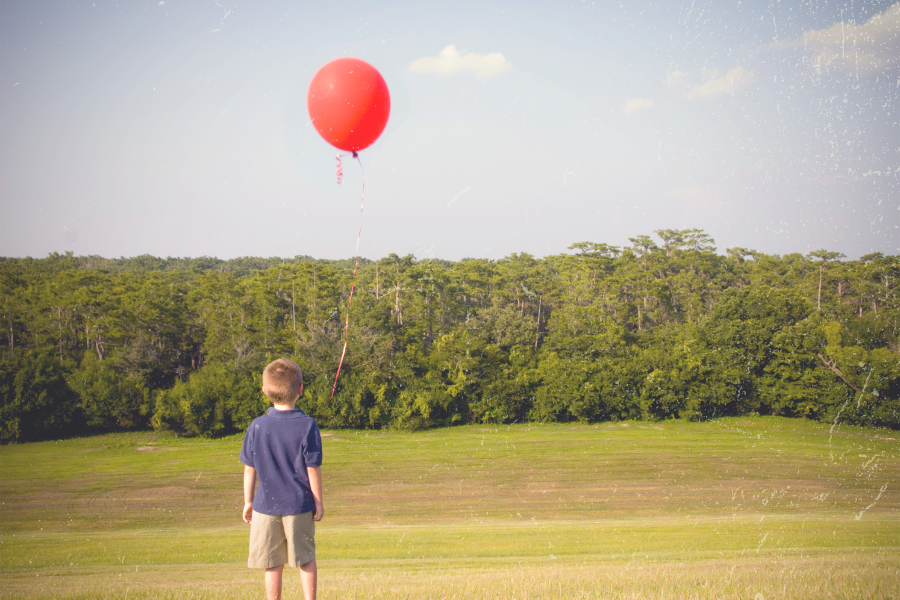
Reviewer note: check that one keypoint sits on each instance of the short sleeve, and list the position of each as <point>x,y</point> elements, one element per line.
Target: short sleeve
<point>312,447</point>
<point>247,448</point>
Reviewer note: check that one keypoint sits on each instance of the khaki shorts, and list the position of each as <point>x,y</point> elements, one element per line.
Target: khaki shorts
<point>281,539</point>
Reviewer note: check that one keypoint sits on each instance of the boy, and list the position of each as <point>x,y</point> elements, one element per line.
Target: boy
<point>284,449</point>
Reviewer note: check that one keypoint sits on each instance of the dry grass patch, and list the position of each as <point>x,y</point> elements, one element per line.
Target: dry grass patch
<point>868,575</point>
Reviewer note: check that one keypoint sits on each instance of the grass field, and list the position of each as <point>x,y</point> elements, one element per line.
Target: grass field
<point>734,508</point>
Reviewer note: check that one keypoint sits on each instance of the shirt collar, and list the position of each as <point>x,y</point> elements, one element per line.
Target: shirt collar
<point>285,414</point>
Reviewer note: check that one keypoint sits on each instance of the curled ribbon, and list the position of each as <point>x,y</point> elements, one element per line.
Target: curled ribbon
<point>339,170</point>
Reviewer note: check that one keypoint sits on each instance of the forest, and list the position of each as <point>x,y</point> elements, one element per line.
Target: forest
<point>664,328</point>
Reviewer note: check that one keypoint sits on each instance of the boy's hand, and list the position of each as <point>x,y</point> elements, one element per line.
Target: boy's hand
<point>315,486</point>
<point>249,492</point>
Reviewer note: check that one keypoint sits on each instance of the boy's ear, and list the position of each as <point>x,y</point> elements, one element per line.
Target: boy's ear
<point>301,390</point>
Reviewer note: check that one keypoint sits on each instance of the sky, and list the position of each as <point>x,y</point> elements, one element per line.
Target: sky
<point>180,128</point>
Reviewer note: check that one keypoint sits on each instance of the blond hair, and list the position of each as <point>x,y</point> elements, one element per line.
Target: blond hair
<point>282,379</point>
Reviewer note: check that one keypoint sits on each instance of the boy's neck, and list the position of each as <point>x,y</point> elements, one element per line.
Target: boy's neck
<point>290,406</point>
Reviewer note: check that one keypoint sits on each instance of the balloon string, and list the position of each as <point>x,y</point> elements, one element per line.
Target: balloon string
<point>353,278</point>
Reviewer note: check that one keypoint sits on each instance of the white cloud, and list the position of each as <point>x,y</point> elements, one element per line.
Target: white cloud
<point>865,49</point>
<point>880,27</point>
<point>638,105</point>
<point>450,61</point>
<point>677,80</point>
<point>709,73</point>
<point>734,80</point>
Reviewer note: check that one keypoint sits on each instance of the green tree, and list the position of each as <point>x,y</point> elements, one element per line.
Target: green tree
<point>35,401</point>
<point>109,400</point>
<point>824,256</point>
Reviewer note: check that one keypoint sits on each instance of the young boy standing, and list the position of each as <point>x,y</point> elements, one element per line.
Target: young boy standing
<point>283,450</point>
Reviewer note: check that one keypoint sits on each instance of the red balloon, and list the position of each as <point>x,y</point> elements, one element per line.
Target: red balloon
<point>349,103</point>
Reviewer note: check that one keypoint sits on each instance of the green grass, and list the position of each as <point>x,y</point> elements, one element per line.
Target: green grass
<point>732,508</point>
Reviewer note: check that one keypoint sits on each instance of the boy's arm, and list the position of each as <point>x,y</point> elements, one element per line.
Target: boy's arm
<point>249,492</point>
<point>315,485</point>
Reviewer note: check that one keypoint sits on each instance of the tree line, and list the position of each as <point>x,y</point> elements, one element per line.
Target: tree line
<point>663,328</point>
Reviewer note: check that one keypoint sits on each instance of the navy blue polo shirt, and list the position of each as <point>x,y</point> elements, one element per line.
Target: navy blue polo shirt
<point>280,445</point>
